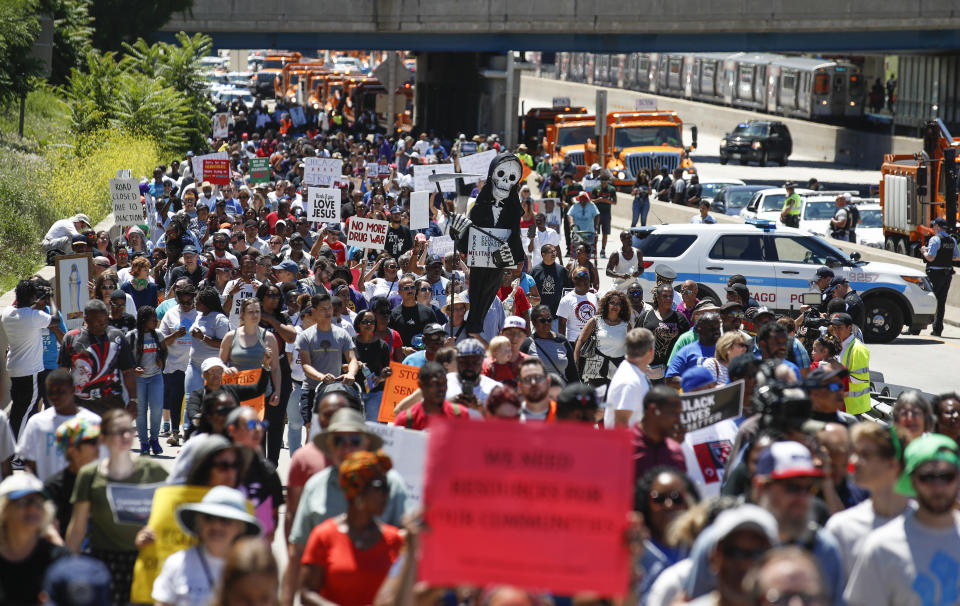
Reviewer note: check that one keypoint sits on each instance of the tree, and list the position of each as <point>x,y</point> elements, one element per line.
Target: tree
<point>120,21</point>
<point>72,32</point>
<point>19,71</point>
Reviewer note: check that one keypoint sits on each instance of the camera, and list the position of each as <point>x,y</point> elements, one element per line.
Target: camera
<point>783,406</point>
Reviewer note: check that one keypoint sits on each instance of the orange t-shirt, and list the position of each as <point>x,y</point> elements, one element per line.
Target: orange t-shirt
<point>353,577</point>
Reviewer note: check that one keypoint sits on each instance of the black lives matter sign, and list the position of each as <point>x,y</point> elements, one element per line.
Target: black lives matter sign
<point>704,408</point>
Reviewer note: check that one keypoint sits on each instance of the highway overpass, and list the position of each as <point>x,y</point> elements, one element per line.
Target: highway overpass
<point>577,25</point>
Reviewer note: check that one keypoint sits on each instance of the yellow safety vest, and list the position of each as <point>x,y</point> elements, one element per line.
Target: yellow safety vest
<point>792,204</point>
<point>857,361</point>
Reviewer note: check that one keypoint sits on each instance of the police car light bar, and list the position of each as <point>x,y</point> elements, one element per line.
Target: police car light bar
<point>764,224</point>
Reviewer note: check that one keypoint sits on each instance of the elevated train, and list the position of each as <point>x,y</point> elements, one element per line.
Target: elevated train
<point>796,87</point>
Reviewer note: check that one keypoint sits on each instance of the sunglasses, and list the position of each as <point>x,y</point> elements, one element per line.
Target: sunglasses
<point>355,441</point>
<point>635,293</point>
<point>832,387</point>
<point>391,267</point>
<point>734,314</point>
<point>368,322</point>
<point>425,289</point>
<point>226,465</point>
<point>674,498</point>
<point>542,320</point>
<point>378,484</point>
<point>945,477</point>
<point>533,379</point>
<point>272,295</point>
<point>406,288</point>
<point>253,424</point>
<point>798,488</point>
<point>738,553</point>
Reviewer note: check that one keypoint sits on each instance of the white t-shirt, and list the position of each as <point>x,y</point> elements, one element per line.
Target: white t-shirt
<point>229,257</point>
<point>38,440</point>
<point>716,442</point>
<point>903,558</point>
<point>61,228</point>
<point>183,580</point>
<point>296,366</point>
<point>577,311</point>
<point>481,389</point>
<point>23,326</point>
<point>380,287</point>
<point>626,392</point>
<point>248,290</point>
<point>178,352</point>
<point>851,526</point>
<point>669,583</point>
<point>547,236</point>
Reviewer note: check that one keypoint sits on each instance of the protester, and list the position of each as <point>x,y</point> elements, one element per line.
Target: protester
<point>174,329</point>
<point>600,347</point>
<point>150,355</point>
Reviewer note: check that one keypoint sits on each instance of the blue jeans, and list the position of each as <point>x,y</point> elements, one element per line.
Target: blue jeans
<point>641,206</point>
<point>193,380</point>
<point>150,396</point>
<point>294,419</point>
<point>371,403</point>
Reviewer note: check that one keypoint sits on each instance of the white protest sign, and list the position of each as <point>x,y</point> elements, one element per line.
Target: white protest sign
<point>151,208</point>
<point>481,246</point>
<point>408,451</point>
<point>221,125</point>
<point>323,204</point>
<point>321,171</point>
<point>198,165</point>
<point>477,164</point>
<point>421,177</point>
<point>124,173</point>
<point>420,210</point>
<point>127,209</point>
<point>371,169</point>
<point>367,233</point>
<point>440,245</point>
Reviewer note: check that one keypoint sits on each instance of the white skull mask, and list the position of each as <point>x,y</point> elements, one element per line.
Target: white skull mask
<point>505,176</point>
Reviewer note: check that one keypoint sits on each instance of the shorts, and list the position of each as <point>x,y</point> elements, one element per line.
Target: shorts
<point>605,224</point>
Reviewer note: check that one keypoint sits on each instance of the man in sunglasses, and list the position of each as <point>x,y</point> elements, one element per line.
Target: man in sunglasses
<point>410,317</point>
<point>826,388</point>
<point>914,558</point>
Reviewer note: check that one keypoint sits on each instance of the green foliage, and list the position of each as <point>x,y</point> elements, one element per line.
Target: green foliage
<point>120,21</point>
<point>19,72</point>
<point>45,123</point>
<point>153,90</point>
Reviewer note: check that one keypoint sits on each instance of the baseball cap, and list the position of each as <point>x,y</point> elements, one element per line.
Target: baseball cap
<point>434,259</point>
<point>79,238</point>
<point>78,580</point>
<point>470,347</point>
<point>20,485</point>
<point>838,280</point>
<point>577,395</point>
<point>783,460</point>
<point>821,375</point>
<point>789,185</point>
<point>189,249</point>
<point>73,431</point>
<point>824,272</point>
<point>846,196</point>
<point>740,290</point>
<point>212,362</point>
<point>841,319</point>
<point>287,265</point>
<point>432,329</point>
<point>695,378</point>
<point>396,210</point>
<point>333,228</point>
<point>928,447</point>
<point>594,166</point>
<point>82,218</point>
<point>744,517</point>
<point>514,322</point>
<point>250,223</point>
<point>940,221</point>
<point>763,310</point>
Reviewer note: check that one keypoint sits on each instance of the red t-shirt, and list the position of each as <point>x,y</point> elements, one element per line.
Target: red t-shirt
<point>339,250</point>
<point>395,340</point>
<point>520,302</point>
<point>353,577</point>
<point>505,373</point>
<point>272,219</point>
<point>307,461</point>
<point>415,418</point>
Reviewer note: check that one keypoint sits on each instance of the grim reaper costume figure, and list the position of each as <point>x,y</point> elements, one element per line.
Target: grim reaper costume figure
<point>490,235</point>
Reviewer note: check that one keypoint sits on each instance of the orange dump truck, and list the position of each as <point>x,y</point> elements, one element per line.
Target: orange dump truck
<point>644,140</point>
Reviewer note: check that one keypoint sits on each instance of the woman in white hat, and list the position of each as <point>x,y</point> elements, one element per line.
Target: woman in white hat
<point>190,576</point>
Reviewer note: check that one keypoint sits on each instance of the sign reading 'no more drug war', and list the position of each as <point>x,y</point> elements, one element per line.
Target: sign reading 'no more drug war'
<point>536,506</point>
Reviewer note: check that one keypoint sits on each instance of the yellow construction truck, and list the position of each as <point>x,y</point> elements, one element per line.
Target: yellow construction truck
<point>649,140</point>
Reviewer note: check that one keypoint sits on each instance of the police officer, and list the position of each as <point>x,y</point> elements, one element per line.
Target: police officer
<point>840,289</point>
<point>940,253</point>
<point>824,277</point>
<point>855,357</point>
<point>790,215</point>
<point>840,223</point>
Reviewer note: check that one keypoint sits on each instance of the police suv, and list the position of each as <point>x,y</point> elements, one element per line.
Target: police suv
<point>780,265</point>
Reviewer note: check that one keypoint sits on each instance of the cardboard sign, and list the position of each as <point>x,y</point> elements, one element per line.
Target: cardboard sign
<point>481,246</point>
<point>403,381</point>
<point>419,210</point>
<point>323,204</point>
<point>440,245</point>
<point>478,164</point>
<point>131,503</point>
<point>248,377</point>
<point>367,233</point>
<point>259,170</point>
<point>503,499</point>
<point>408,450</point>
<point>321,171</point>
<point>198,161</point>
<point>170,539</point>
<point>703,408</point>
<point>217,171</point>
<point>221,125</point>
<point>468,148</point>
<point>127,209</point>
<point>421,177</point>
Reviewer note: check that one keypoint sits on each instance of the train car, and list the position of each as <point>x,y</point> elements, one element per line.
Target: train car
<point>817,89</point>
<point>711,77</point>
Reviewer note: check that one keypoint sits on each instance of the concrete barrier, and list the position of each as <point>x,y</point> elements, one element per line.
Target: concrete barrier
<point>811,140</point>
